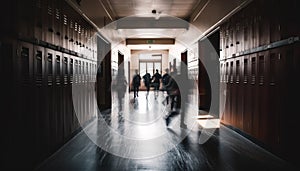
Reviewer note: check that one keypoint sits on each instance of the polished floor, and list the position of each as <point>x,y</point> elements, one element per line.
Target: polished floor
<point>135,137</point>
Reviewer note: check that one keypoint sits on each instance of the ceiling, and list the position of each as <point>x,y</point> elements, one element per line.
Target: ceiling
<point>178,8</point>
<point>205,15</point>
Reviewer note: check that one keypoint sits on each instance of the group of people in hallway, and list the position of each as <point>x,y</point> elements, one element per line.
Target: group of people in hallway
<point>176,97</point>
<point>149,81</point>
<point>175,85</point>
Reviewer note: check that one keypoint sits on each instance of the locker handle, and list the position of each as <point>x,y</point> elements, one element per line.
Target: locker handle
<point>50,29</point>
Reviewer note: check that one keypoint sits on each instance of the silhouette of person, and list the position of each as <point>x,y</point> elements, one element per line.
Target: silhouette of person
<point>180,86</point>
<point>147,81</point>
<point>136,83</point>
<point>156,82</point>
<point>120,86</point>
<point>165,82</point>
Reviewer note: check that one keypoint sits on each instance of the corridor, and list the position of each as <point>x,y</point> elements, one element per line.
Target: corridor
<point>70,70</point>
<point>225,150</point>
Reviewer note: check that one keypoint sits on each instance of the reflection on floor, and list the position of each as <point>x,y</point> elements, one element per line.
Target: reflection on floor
<point>138,139</point>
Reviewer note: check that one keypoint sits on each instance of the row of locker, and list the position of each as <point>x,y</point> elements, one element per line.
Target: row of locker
<point>56,23</point>
<point>260,93</point>
<point>253,27</point>
<point>58,68</point>
<point>47,111</point>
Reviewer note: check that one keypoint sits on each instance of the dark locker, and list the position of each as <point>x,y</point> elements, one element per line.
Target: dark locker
<point>82,92</point>
<point>65,30</point>
<point>23,100</point>
<point>57,23</point>
<point>50,97</point>
<point>273,96</point>
<point>66,119</point>
<point>71,34</point>
<point>77,77</point>
<point>247,111</point>
<point>254,96</point>
<point>264,30</point>
<point>232,91</point>
<point>24,20</point>
<point>75,36</point>
<point>42,119</point>
<point>227,114</point>
<point>239,94</point>
<point>58,97</point>
<point>39,8</point>
<point>49,22</point>
<point>72,66</point>
<point>263,96</point>
<point>87,113</point>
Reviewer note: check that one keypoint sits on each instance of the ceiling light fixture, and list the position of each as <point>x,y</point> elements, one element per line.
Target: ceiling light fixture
<point>157,14</point>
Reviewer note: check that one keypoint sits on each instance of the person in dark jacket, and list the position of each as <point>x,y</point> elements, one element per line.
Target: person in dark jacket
<point>165,81</point>
<point>136,83</point>
<point>147,81</point>
<point>156,82</point>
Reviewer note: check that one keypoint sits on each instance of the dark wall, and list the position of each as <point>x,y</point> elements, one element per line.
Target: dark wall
<point>46,50</point>
<point>259,66</point>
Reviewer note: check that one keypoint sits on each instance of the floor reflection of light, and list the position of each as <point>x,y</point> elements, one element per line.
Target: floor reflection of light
<point>205,116</point>
<point>148,131</point>
<point>209,123</point>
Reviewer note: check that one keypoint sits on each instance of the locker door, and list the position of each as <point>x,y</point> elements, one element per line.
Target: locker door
<point>247,113</point>
<point>65,31</point>
<point>23,101</point>
<point>263,97</point>
<point>48,20</point>
<point>254,96</point>
<point>39,9</point>
<point>49,96</point>
<point>65,100</point>
<point>57,23</point>
<point>58,97</point>
<point>239,94</point>
<point>42,119</point>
